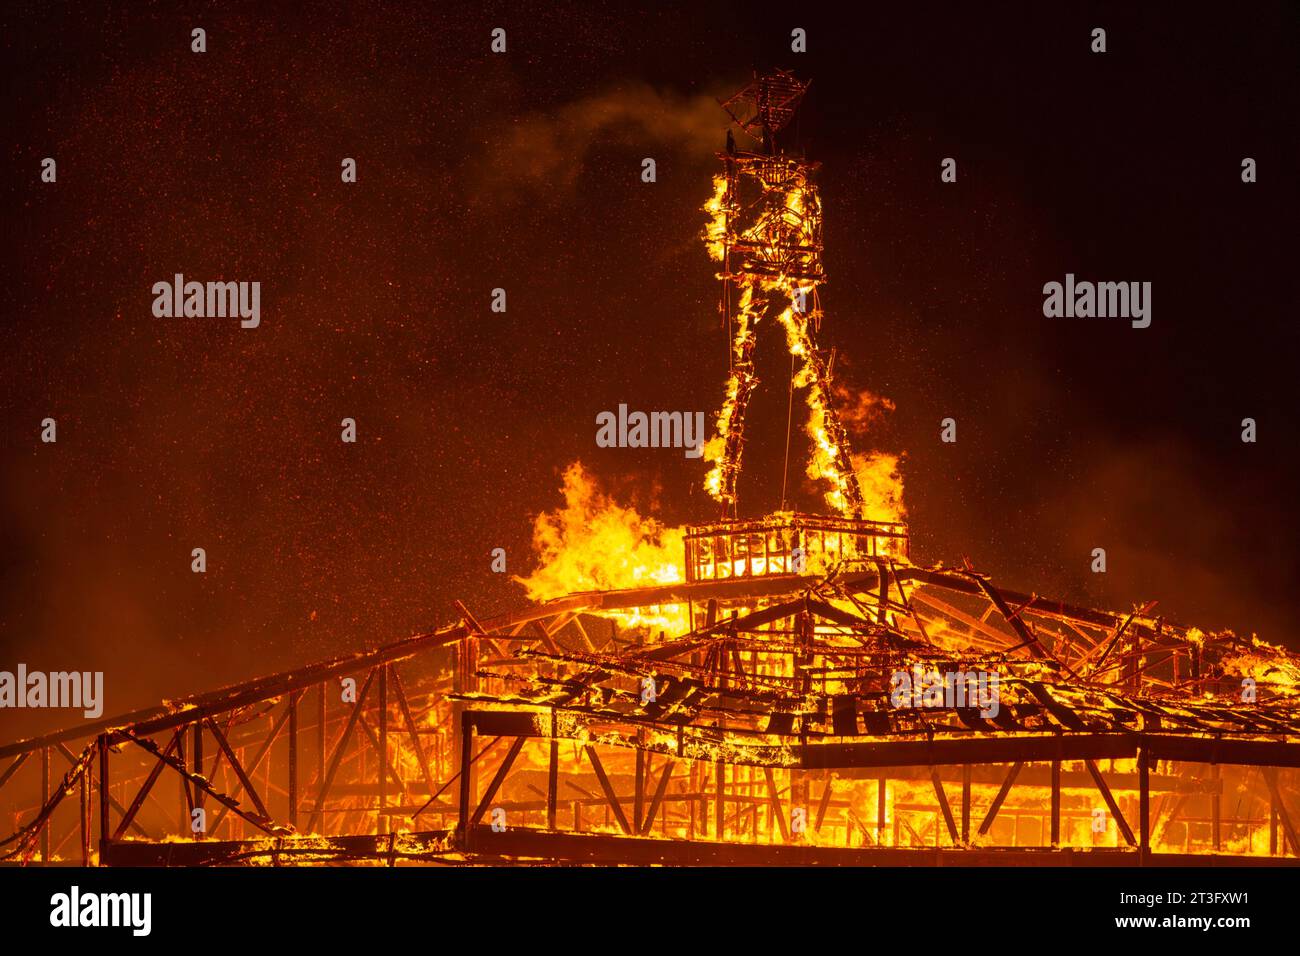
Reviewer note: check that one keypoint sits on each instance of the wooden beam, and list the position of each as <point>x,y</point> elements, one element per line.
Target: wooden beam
<point>412,733</point>
<point>262,751</point>
<point>658,798</point>
<point>1270,777</point>
<point>337,757</point>
<point>825,802</point>
<point>1106,795</point>
<point>609,791</point>
<point>1002,795</point>
<point>201,784</point>
<point>247,784</point>
<point>774,801</point>
<point>17,762</point>
<point>1144,801</point>
<point>638,786</point>
<point>143,792</point>
<point>497,779</point>
<point>943,805</point>
<point>1216,808</point>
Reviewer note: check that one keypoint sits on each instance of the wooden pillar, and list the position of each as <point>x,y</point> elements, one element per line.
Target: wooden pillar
<point>322,736</point>
<point>198,769</point>
<point>880,811</point>
<point>1056,802</point>
<point>293,758</point>
<point>552,784</point>
<point>85,816</point>
<point>45,799</point>
<point>638,800</point>
<point>883,596</point>
<point>464,680</point>
<point>1144,804</point>
<point>383,749</point>
<point>182,787</point>
<point>719,824</point>
<point>965,803</point>
<point>104,830</point>
<point>466,791</point>
<point>1216,807</point>
<point>723,665</point>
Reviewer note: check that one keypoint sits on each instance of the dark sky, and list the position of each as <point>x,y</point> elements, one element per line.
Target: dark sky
<point>521,171</point>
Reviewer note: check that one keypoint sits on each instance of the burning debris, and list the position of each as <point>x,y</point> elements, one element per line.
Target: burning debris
<point>727,693</point>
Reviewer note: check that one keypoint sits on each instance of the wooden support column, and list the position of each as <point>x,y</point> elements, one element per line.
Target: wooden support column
<point>85,816</point>
<point>466,793</point>
<point>293,758</point>
<point>552,784</point>
<point>198,769</point>
<point>465,680</point>
<point>383,821</point>
<point>719,824</point>
<point>183,787</point>
<point>1144,803</point>
<point>322,737</point>
<point>965,802</point>
<point>1216,806</point>
<point>722,663</point>
<point>1280,813</point>
<point>1056,802</point>
<point>638,797</point>
<point>883,596</point>
<point>104,830</point>
<point>880,811</point>
<point>45,799</point>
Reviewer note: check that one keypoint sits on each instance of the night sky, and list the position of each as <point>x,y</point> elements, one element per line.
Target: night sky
<point>522,171</point>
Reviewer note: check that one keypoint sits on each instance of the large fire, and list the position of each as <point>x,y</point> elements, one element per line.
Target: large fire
<point>754,715</point>
<point>593,543</point>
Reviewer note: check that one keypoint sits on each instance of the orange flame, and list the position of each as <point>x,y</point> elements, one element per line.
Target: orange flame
<point>593,543</point>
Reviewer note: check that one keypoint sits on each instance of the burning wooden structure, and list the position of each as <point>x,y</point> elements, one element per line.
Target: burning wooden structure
<point>807,696</point>
<point>768,732</point>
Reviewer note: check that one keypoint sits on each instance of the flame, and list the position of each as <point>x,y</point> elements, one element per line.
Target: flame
<point>881,484</point>
<point>715,231</point>
<point>1269,665</point>
<point>723,450</point>
<point>594,544</point>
